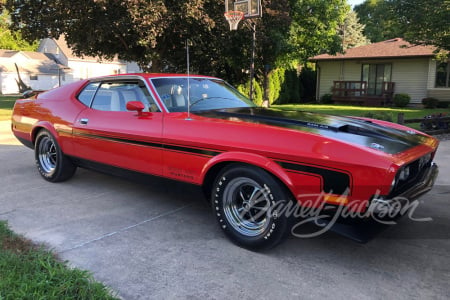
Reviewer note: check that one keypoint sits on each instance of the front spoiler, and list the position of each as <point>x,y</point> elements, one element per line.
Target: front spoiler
<point>396,204</point>
<point>382,212</point>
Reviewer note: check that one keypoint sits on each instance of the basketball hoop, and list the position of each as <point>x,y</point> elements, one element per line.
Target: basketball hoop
<point>234,17</point>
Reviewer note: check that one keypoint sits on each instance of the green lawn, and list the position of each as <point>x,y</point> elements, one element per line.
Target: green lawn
<point>6,106</point>
<point>361,111</point>
<point>30,272</point>
<point>382,113</point>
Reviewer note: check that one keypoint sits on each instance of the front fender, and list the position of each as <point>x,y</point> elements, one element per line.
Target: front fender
<point>251,159</point>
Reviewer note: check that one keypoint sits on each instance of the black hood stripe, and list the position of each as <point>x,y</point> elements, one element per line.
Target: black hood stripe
<point>346,129</point>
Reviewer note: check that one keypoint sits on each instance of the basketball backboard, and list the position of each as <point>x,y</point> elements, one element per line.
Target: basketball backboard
<point>250,8</point>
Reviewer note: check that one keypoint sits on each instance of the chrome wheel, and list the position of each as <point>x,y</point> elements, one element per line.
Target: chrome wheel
<point>51,162</point>
<point>244,200</point>
<point>246,206</point>
<point>47,154</point>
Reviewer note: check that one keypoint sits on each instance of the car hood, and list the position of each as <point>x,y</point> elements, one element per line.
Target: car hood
<point>346,129</point>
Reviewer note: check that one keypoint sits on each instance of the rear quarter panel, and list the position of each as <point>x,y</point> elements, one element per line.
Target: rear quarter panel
<point>55,111</point>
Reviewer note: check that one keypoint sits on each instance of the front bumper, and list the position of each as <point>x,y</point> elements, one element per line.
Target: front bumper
<point>399,204</point>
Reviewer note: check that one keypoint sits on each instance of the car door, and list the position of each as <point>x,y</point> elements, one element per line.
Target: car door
<point>106,133</point>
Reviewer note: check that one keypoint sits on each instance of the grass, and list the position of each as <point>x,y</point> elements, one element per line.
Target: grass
<point>383,113</point>
<point>360,111</point>
<point>28,271</point>
<point>6,106</point>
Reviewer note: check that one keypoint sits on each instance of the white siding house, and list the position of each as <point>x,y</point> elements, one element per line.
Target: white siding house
<point>38,71</point>
<point>410,68</point>
<point>52,65</point>
<point>81,67</point>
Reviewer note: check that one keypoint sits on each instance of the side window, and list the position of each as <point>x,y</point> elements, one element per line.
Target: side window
<point>87,93</point>
<point>113,96</point>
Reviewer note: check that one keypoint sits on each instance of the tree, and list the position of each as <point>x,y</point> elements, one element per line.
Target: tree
<point>301,29</point>
<point>13,40</point>
<point>273,26</point>
<point>381,22</point>
<point>154,33</point>
<point>314,27</point>
<point>424,22</point>
<point>352,32</point>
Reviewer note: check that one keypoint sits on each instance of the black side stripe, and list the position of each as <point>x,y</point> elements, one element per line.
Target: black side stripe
<point>121,140</point>
<point>170,147</point>
<point>333,181</point>
<point>191,150</point>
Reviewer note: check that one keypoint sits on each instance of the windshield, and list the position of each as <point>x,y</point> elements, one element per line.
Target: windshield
<point>178,94</point>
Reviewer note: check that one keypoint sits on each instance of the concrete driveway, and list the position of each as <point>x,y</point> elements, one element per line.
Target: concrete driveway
<point>159,240</point>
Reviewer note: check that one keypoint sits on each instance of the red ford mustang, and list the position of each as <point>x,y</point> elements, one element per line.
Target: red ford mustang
<point>252,162</point>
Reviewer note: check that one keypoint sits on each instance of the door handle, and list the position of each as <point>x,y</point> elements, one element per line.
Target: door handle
<point>84,121</point>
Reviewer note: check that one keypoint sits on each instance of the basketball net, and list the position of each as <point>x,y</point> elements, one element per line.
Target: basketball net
<point>233,18</point>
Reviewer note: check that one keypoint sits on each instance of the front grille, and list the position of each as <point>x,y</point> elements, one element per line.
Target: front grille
<point>411,174</point>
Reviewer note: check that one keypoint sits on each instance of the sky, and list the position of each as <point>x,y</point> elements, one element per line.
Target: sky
<point>354,2</point>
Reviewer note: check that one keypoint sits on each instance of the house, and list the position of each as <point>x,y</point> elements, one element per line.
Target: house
<point>86,66</point>
<point>37,70</point>
<point>54,64</point>
<point>372,74</point>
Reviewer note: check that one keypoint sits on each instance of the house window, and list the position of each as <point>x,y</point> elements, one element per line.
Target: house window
<point>442,75</point>
<point>375,75</point>
<point>33,77</point>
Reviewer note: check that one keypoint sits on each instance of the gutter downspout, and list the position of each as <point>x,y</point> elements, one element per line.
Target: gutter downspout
<point>317,82</point>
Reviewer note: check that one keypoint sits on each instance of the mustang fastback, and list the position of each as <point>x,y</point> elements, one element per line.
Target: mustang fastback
<point>254,164</point>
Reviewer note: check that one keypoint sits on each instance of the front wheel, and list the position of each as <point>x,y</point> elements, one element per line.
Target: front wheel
<point>245,201</point>
<point>51,163</point>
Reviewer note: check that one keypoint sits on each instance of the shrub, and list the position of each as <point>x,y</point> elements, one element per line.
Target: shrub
<point>430,102</point>
<point>326,99</point>
<point>290,87</point>
<point>401,100</point>
<point>257,91</point>
<point>443,104</point>
<point>308,79</point>
<point>384,116</point>
<point>276,79</point>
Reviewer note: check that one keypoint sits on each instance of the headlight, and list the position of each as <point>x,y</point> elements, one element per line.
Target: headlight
<point>404,174</point>
<point>424,160</point>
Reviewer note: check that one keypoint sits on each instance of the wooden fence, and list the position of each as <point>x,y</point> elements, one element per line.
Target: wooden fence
<point>434,124</point>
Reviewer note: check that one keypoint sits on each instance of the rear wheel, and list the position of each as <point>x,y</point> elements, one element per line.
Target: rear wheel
<point>245,199</point>
<point>51,163</point>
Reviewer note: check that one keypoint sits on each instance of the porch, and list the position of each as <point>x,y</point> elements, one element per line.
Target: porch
<point>357,93</point>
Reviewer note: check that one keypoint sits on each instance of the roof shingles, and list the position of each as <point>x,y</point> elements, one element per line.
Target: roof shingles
<point>391,48</point>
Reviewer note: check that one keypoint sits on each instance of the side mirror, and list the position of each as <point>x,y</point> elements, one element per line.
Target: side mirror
<point>135,106</point>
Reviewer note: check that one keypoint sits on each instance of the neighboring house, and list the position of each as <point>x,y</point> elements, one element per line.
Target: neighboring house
<point>86,66</point>
<point>37,70</point>
<point>372,74</point>
<point>54,64</point>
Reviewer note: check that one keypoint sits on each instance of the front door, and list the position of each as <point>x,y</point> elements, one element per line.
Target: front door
<point>109,134</point>
<point>375,75</point>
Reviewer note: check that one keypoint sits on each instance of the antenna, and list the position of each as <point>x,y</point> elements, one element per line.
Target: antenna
<point>188,81</point>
